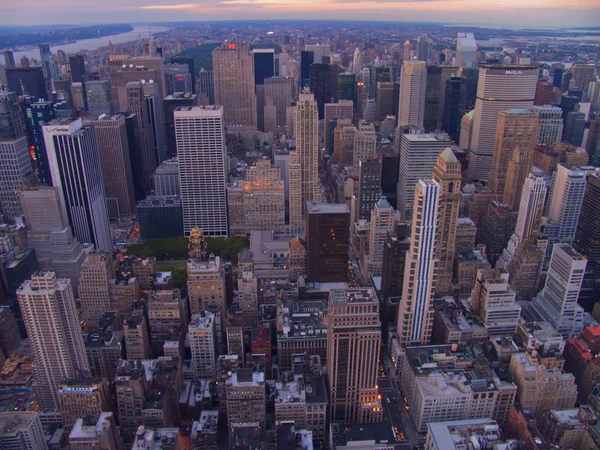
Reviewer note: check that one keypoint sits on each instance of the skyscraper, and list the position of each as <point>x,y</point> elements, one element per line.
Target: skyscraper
<point>75,167</point>
<point>27,81</point>
<point>353,343</point>
<point>365,143</point>
<point>451,113</point>
<point>113,149</point>
<point>500,88</point>
<point>39,114</point>
<point>50,315</point>
<point>415,313</point>
<point>205,87</point>
<point>447,172</point>
<point>557,302</point>
<point>201,153</point>
<point>369,187</point>
<point>382,223</point>
<point>94,295</point>
<point>281,90</point>
<point>587,241</point>
<point>516,131</point>
<point>9,59</point>
<point>466,51</point>
<point>356,60</point>
<point>551,124</point>
<point>99,98</point>
<point>327,241</point>
<point>234,83</point>
<point>264,64</point>
<point>307,147</point>
<point>411,106</point>
<point>385,99</point>
<point>423,48</point>
<point>418,156</point>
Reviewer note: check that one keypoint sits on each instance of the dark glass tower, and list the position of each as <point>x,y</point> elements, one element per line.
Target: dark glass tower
<point>39,114</point>
<point>264,65</point>
<point>27,81</point>
<point>306,60</point>
<point>451,116</point>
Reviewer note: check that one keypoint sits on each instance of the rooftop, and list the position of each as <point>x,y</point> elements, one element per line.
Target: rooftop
<point>327,208</point>
<point>89,429</point>
<point>344,434</point>
<point>201,321</point>
<point>353,295</point>
<point>463,434</point>
<point>432,137</point>
<point>246,377</point>
<point>208,423</point>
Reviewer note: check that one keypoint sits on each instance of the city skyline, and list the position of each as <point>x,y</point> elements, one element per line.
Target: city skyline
<point>556,13</point>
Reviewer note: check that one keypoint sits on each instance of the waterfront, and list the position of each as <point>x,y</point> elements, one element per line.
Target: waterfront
<point>91,44</point>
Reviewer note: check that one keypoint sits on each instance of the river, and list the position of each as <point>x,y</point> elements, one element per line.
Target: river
<point>94,43</point>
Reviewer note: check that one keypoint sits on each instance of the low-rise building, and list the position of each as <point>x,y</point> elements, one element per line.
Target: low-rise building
<point>96,433</point>
<point>204,431</point>
<point>460,434</point>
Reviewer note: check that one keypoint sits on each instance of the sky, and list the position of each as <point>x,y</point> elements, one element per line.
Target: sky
<point>518,13</point>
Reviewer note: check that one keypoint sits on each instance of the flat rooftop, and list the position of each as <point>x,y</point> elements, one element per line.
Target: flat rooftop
<point>463,434</point>
<point>353,295</point>
<point>327,208</point>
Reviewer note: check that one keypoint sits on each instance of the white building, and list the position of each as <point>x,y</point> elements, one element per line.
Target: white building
<point>23,430</point>
<point>498,309</point>
<point>418,156</point>
<point>500,88</point>
<point>74,163</point>
<point>557,302</point>
<point>15,167</point>
<point>202,343</point>
<point>411,106</point>
<point>365,143</point>
<point>382,223</point>
<point>415,313</point>
<point>201,152</point>
<point>550,125</point>
<point>466,51</point>
<point>50,316</point>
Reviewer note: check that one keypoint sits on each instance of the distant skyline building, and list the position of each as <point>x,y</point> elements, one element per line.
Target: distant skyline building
<point>264,64</point>
<point>50,316</point>
<point>201,154</point>
<point>234,83</point>
<point>75,166</point>
<point>415,313</point>
<point>307,147</point>
<point>38,114</point>
<point>551,124</point>
<point>500,88</point>
<point>413,80</point>
<point>466,51</point>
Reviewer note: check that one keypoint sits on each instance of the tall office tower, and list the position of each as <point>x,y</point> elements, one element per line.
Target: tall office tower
<point>362,96</point>
<point>177,78</point>
<point>411,102</point>
<point>201,331</point>
<point>447,173</point>
<point>468,91</point>
<point>37,115</point>
<point>75,167</point>
<point>94,295</point>
<point>78,97</point>
<point>12,123</point>
<point>385,99</point>
<point>264,64</point>
<point>583,75</point>
<point>99,99</point>
<point>382,223</point>
<point>593,140</point>
<point>82,397</point>
<point>356,60</point>
<point>295,205</point>
<point>77,66</point>
<point>170,104</point>
<point>46,60</point>
<point>516,132</point>
<point>9,59</point>
<point>50,316</point>
<point>166,179</point>
<point>564,204</point>
<point>353,343</point>
<point>418,156</point>
<point>15,162</point>
<point>234,83</point>
<point>550,124</point>
<point>270,117</point>
<point>187,61</point>
<point>131,385</point>
<point>136,104</point>
<point>346,87</point>
<point>307,147</point>
<point>333,111</point>
<point>113,149</point>
<point>322,78</point>
<point>529,219</point>
<point>20,429</point>
<point>327,241</point>
<point>320,51</point>
<point>451,112</point>
<point>544,94</point>
<point>369,187</point>
<point>27,81</point>
<point>365,143</point>
<point>153,105</point>
<point>394,257</point>
<point>415,312</point>
<point>147,68</point>
<point>574,128</point>
<point>423,48</point>
<point>48,231</point>
<point>557,302</point>
<point>281,90</point>
<point>205,87</point>
<point>307,58</point>
<point>498,226</point>
<point>24,61</point>
<point>466,51</point>
<point>500,88</point>
<point>494,301</point>
<point>201,153</point>
<point>587,241</point>
<point>135,154</point>
<point>435,87</point>
<point>343,143</point>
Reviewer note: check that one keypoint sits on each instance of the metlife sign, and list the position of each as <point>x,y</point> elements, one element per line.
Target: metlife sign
<point>513,72</point>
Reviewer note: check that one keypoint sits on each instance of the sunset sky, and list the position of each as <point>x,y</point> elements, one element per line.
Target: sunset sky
<point>519,13</point>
